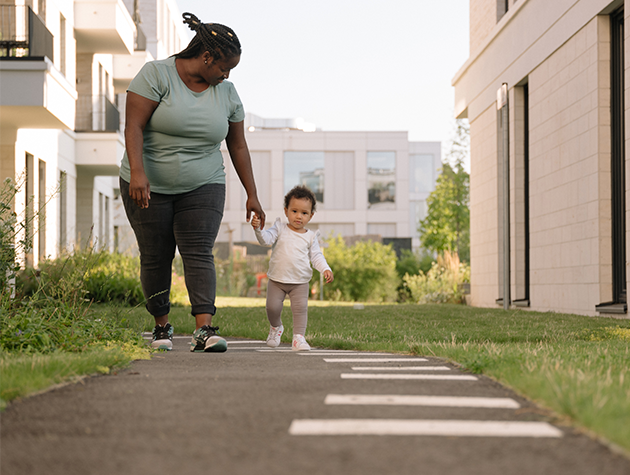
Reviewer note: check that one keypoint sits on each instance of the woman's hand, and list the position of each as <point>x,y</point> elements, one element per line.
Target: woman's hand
<point>140,189</point>
<point>254,209</point>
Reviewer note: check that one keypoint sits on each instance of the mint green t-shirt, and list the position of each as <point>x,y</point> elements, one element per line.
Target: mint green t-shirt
<point>182,138</point>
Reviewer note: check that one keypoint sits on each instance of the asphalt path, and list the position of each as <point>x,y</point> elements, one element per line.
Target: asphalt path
<point>250,410</point>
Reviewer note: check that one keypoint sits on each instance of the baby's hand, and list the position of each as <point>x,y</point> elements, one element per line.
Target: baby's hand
<point>255,221</point>
<point>328,276</point>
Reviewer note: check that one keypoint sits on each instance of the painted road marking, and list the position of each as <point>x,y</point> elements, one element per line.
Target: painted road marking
<point>401,368</point>
<point>436,401</point>
<point>435,377</point>
<point>319,352</point>
<point>242,342</point>
<point>373,360</point>
<point>423,427</point>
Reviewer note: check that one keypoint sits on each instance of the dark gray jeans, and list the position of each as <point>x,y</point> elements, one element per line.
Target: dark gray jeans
<point>189,221</point>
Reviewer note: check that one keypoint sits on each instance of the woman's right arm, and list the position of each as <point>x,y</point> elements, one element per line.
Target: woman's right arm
<point>138,112</point>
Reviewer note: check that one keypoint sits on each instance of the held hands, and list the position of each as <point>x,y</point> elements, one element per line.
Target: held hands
<point>255,221</point>
<point>254,209</point>
<point>328,276</point>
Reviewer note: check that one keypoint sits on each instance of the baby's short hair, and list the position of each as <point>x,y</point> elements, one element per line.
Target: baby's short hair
<point>300,192</point>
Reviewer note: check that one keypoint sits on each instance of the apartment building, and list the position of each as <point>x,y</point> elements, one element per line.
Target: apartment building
<point>366,183</point>
<point>64,68</point>
<point>544,92</point>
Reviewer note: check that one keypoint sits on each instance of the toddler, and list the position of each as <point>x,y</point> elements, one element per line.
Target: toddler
<point>294,248</point>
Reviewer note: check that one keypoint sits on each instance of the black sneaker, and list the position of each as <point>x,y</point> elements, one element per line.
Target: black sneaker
<point>205,339</point>
<point>162,337</point>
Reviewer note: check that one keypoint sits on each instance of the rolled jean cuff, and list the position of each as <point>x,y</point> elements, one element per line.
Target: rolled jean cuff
<point>203,308</point>
<point>158,309</point>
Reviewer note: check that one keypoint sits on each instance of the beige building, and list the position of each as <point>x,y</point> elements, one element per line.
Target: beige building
<point>366,183</point>
<point>548,184</point>
<point>64,68</point>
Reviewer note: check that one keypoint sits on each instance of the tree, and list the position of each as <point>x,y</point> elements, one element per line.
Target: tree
<point>447,224</point>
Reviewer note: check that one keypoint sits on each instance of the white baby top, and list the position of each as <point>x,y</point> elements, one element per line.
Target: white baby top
<point>292,253</point>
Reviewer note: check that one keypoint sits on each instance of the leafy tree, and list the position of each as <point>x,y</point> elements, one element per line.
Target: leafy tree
<point>447,225</point>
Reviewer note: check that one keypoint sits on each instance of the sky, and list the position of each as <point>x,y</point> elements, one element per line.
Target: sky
<point>348,65</point>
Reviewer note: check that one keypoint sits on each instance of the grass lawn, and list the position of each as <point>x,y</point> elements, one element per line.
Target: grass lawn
<point>575,365</point>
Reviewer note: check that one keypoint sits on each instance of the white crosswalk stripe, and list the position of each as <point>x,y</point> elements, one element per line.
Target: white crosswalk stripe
<point>423,427</point>
<point>374,360</point>
<point>434,377</point>
<point>412,400</point>
<point>401,368</point>
<point>415,427</point>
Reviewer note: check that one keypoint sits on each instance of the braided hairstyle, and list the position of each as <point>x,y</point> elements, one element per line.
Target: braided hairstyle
<point>300,192</point>
<point>218,40</point>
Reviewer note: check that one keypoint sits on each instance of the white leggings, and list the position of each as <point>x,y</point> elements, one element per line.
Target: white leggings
<point>298,295</point>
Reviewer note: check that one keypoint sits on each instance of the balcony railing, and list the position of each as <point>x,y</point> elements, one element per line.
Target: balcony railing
<point>96,114</point>
<point>23,34</point>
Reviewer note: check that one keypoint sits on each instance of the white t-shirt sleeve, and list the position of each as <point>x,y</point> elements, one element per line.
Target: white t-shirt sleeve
<point>317,256</point>
<point>267,237</point>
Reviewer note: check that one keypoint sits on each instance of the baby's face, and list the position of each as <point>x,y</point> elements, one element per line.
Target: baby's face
<point>299,213</point>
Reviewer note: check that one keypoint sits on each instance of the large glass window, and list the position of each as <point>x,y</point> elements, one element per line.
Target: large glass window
<point>381,168</point>
<point>305,168</point>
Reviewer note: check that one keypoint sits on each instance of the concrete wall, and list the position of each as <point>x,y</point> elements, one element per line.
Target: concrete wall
<point>561,50</point>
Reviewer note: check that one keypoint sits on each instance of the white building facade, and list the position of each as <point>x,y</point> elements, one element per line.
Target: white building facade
<point>366,183</point>
<point>64,67</point>
<point>544,92</point>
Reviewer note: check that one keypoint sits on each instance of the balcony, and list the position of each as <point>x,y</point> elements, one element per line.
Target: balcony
<point>34,94</point>
<point>126,67</point>
<point>103,26</point>
<point>23,34</point>
<point>99,145</point>
<point>96,114</point>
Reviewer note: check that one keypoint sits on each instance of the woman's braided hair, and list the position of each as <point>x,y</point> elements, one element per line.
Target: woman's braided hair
<point>218,40</point>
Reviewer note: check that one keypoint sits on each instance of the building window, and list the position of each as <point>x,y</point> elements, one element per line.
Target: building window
<point>503,197</point>
<point>41,215</point>
<point>381,180</point>
<point>502,8</point>
<point>618,153</point>
<point>305,168</point>
<point>41,9</point>
<point>63,203</point>
<point>520,194</point>
<point>29,207</point>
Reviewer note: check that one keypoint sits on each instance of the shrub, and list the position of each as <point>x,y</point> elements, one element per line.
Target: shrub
<point>10,228</point>
<point>365,272</point>
<point>413,262</point>
<point>93,276</point>
<point>442,283</point>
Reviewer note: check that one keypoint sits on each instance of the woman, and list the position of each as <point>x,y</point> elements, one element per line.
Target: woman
<point>172,178</point>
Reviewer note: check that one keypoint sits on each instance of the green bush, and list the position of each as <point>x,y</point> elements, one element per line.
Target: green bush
<point>411,263</point>
<point>365,272</point>
<point>442,283</point>
<point>85,275</point>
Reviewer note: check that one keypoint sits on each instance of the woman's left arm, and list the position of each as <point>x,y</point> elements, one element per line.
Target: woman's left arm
<point>239,153</point>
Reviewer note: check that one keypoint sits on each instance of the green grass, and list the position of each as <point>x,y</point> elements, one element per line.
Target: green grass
<point>25,374</point>
<point>575,365</point>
